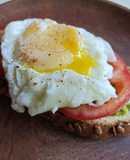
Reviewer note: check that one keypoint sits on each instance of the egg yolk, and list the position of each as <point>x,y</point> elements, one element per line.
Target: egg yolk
<point>55,48</point>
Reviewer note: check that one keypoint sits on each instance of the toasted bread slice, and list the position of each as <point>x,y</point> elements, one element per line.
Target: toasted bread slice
<point>99,128</point>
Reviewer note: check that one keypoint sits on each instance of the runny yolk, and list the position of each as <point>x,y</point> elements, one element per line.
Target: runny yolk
<point>56,48</point>
<point>83,63</point>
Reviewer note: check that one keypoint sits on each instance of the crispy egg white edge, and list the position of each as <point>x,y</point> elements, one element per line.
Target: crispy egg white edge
<point>77,89</point>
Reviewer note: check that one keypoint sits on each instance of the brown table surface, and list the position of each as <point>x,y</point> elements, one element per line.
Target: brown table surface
<point>26,138</point>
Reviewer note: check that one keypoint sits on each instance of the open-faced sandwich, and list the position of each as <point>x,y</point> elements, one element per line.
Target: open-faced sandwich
<point>69,74</point>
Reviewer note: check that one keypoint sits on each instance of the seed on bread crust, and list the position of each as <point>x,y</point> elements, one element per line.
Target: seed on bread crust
<point>120,129</point>
<point>96,129</point>
<point>114,131</point>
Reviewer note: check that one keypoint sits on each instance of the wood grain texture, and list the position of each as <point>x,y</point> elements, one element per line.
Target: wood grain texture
<point>26,138</point>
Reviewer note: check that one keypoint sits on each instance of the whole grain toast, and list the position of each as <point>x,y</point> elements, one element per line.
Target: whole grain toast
<point>100,128</point>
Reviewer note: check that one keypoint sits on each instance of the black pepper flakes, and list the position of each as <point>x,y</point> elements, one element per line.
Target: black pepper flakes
<point>49,54</point>
<point>94,102</point>
<point>61,81</point>
<point>17,66</point>
<point>34,83</point>
<point>59,101</point>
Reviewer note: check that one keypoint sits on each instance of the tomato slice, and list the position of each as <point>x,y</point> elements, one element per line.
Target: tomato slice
<point>121,81</point>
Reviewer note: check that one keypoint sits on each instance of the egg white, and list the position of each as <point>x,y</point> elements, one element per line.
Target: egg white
<point>49,92</point>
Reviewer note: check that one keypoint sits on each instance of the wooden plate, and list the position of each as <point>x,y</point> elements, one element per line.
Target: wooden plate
<point>25,138</point>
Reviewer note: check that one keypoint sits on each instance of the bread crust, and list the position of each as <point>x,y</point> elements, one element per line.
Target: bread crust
<point>97,129</point>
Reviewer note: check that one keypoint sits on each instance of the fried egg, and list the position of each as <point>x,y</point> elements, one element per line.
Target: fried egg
<point>50,66</point>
